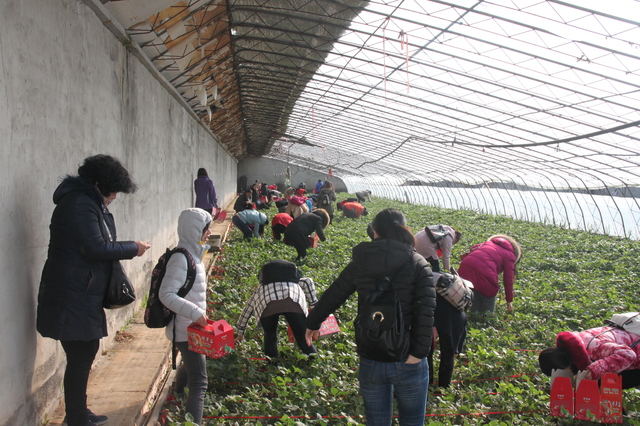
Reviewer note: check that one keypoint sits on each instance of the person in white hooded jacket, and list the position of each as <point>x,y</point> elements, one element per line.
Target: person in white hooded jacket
<point>193,229</point>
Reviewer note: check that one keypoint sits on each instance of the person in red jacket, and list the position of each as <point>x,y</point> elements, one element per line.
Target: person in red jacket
<point>483,265</point>
<point>353,210</point>
<point>279,224</point>
<point>597,351</point>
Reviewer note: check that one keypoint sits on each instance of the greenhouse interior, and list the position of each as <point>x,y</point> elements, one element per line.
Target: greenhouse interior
<point>522,108</point>
<point>509,120</point>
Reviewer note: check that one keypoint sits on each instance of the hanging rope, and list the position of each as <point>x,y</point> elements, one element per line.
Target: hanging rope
<point>404,46</point>
<point>384,57</point>
<point>316,134</point>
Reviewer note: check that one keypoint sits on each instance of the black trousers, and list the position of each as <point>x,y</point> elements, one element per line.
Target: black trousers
<point>434,262</point>
<point>351,214</point>
<point>447,360</point>
<point>300,242</point>
<point>630,379</point>
<point>278,230</point>
<point>80,356</point>
<point>298,323</point>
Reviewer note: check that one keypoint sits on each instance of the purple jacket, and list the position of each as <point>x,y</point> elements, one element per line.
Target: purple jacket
<point>205,193</point>
<point>483,266</point>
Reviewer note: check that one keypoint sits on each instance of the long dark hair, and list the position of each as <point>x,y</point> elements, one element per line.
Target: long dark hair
<point>555,358</point>
<point>202,172</point>
<point>107,174</point>
<point>391,224</point>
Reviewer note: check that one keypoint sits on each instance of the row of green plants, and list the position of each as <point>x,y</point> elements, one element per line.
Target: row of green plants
<point>568,280</point>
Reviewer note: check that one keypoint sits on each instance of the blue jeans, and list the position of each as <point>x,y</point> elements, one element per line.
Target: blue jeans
<point>246,231</point>
<point>380,380</point>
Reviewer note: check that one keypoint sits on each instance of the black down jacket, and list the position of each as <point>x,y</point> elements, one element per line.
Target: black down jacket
<point>298,231</point>
<point>412,280</point>
<point>78,265</point>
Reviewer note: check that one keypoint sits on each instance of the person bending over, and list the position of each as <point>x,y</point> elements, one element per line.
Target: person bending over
<point>353,210</point>
<point>483,265</point>
<point>597,351</point>
<point>279,224</point>
<point>282,291</point>
<point>363,196</point>
<point>298,232</point>
<point>244,201</point>
<point>429,249</point>
<point>251,222</point>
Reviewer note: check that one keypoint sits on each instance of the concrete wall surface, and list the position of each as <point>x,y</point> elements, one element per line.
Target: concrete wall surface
<point>70,89</point>
<point>274,172</point>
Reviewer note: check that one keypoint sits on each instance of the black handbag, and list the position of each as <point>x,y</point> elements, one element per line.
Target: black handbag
<point>120,291</point>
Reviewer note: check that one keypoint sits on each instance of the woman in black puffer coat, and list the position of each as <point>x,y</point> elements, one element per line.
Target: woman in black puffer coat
<point>82,247</point>
<point>390,254</point>
<point>298,232</point>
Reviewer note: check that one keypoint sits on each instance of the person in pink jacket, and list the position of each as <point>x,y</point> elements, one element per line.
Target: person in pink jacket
<point>484,263</point>
<point>597,351</point>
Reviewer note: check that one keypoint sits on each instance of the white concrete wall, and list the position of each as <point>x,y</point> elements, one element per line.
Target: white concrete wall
<point>273,172</point>
<point>69,89</point>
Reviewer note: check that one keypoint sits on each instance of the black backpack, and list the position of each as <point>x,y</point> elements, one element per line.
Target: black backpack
<point>156,315</point>
<point>436,233</point>
<point>380,331</point>
<point>325,200</point>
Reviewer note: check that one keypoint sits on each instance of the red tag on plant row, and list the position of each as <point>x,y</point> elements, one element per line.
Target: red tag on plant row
<point>561,396</point>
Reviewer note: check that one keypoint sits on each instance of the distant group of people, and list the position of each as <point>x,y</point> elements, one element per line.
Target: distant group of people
<point>300,214</point>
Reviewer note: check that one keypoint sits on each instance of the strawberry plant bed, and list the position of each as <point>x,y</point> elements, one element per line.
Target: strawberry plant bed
<point>568,280</point>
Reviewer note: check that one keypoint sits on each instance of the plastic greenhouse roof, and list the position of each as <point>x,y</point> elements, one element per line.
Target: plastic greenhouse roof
<point>523,91</point>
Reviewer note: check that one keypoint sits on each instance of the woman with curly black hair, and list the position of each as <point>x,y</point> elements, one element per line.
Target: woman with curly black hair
<point>82,247</point>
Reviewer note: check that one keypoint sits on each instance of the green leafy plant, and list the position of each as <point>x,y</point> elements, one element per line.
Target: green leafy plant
<point>568,280</point>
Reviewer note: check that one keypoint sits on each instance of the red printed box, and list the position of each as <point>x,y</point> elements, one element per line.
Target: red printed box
<point>313,240</point>
<point>562,397</point>
<point>215,340</point>
<point>611,388</point>
<point>329,327</point>
<point>588,402</point>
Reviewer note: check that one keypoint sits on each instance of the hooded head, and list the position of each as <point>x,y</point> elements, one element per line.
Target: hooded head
<point>192,224</point>
<point>516,247</point>
<point>324,215</point>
